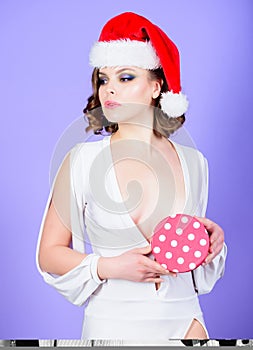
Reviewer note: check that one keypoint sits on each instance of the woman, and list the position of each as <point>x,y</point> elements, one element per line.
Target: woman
<point>111,194</point>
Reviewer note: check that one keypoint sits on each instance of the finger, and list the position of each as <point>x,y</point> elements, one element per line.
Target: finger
<point>211,226</point>
<point>168,273</point>
<point>216,246</point>
<point>154,266</point>
<point>213,229</point>
<point>154,280</point>
<point>211,256</point>
<point>208,259</point>
<point>213,247</point>
<point>144,250</point>
<point>213,253</point>
<point>216,235</point>
<point>217,250</point>
<point>151,275</point>
<point>206,222</point>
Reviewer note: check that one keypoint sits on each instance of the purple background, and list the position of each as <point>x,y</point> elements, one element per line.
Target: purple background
<point>45,80</point>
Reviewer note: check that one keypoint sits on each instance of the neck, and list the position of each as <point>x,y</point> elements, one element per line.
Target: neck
<point>140,128</point>
<point>135,131</point>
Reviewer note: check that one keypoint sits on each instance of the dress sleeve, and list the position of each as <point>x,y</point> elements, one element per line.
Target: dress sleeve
<point>79,283</point>
<point>206,276</point>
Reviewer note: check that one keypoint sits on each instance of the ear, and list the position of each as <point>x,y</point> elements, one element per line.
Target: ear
<point>156,89</point>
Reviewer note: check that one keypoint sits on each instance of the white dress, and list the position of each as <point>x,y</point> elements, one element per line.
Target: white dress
<point>121,309</point>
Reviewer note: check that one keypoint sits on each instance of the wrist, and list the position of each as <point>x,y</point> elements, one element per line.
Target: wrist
<point>105,268</point>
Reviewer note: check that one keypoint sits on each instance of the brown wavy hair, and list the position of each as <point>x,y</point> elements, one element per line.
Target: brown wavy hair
<point>163,125</point>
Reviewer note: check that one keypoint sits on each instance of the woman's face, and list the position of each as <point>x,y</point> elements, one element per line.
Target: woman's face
<point>126,92</point>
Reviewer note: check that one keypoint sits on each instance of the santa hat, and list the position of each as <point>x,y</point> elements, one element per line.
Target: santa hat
<point>132,40</point>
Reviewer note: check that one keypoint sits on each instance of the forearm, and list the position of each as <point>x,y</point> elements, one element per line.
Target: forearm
<point>133,265</point>
<point>59,259</point>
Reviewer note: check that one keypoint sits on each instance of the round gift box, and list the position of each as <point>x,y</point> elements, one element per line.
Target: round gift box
<point>180,243</point>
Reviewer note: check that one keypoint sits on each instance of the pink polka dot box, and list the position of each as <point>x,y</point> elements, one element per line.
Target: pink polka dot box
<point>180,243</point>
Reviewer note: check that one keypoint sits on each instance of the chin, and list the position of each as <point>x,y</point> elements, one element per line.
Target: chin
<point>127,113</point>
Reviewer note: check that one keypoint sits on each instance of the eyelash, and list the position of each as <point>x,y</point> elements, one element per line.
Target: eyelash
<point>101,81</point>
<point>124,78</point>
<point>127,78</point>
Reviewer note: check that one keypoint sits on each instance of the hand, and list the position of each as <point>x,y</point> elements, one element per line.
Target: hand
<point>216,235</point>
<point>132,265</point>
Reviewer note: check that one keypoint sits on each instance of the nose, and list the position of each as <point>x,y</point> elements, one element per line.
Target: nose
<point>110,90</point>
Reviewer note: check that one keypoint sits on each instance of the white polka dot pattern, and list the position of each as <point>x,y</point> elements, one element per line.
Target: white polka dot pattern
<point>197,254</point>
<point>168,255</point>
<point>184,219</point>
<point>157,250</point>
<point>173,216</point>
<point>167,226</point>
<point>180,260</point>
<point>192,266</point>
<point>162,238</point>
<point>203,242</point>
<point>173,243</point>
<point>191,237</point>
<point>186,248</point>
<point>179,231</point>
<point>196,225</point>
<point>180,243</point>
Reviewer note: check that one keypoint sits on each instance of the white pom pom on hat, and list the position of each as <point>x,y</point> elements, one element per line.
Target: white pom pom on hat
<point>132,40</point>
<point>173,104</point>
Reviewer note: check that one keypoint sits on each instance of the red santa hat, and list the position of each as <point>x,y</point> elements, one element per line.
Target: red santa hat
<point>132,40</point>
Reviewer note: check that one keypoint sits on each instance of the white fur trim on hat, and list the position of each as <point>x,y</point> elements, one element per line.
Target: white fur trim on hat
<point>124,53</point>
<point>174,105</point>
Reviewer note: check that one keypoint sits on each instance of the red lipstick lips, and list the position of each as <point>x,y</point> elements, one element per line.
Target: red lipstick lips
<point>111,104</point>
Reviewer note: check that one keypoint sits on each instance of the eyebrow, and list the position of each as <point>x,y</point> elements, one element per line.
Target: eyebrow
<point>119,70</point>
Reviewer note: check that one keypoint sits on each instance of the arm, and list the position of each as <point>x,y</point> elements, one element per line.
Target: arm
<point>55,255</point>
<point>216,239</point>
<point>80,274</point>
<point>213,268</point>
<point>71,272</point>
<point>207,275</point>
<point>133,265</point>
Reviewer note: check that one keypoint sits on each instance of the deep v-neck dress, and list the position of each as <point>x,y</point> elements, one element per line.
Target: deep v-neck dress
<point>117,308</point>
